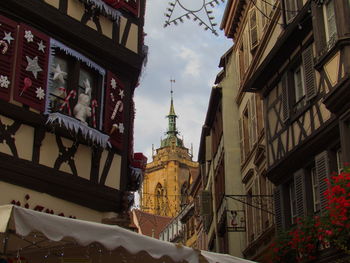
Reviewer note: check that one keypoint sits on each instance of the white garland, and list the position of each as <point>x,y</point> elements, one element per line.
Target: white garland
<point>54,43</point>
<point>104,8</point>
<point>76,126</point>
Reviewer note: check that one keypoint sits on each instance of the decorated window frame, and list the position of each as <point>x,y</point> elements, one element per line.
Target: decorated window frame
<point>75,86</point>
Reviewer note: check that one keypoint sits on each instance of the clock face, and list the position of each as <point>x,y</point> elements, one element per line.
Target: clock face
<point>193,5</point>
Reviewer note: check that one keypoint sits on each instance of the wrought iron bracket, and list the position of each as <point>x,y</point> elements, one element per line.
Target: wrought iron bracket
<point>255,201</point>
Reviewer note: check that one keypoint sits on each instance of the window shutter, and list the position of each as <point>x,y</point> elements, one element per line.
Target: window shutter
<point>253,125</point>
<point>279,207</point>
<point>299,182</point>
<point>32,68</point>
<point>8,36</point>
<point>309,73</point>
<point>285,97</point>
<point>241,141</point>
<point>114,110</point>
<point>253,28</point>
<point>246,50</point>
<point>322,173</point>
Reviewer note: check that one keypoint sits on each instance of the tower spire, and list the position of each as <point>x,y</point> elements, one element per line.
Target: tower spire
<point>172,115</point>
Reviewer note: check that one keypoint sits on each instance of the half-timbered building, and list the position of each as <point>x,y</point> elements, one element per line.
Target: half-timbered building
<point>68,71</point>
<point>301,71</point>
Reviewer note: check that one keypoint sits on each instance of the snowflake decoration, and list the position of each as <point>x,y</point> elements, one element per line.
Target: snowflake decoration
<point>40,94</point>
<point>121,93</point>
<point>28,35</point>
<point>4,82</point>
<point>113,83</point>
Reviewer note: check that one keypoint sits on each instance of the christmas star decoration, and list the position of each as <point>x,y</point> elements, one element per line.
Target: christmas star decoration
<point>40,94</point>
<point>28,35</point>
<point>59,74</point>
<point>33,66</point>
<point>113,83</point>
<point>41,46</point>
<point>121,93</point>
<point>8,37</point>
<point>121,127</point>
<point>198,10</point>
<point>4,82</point>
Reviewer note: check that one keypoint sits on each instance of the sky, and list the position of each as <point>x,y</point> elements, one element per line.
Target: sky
<point>188,54</point>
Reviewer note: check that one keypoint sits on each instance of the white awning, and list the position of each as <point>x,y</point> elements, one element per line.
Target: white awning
<point>38,235</point>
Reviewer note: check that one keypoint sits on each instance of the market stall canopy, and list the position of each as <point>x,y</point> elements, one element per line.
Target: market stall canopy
<point>39,236</point>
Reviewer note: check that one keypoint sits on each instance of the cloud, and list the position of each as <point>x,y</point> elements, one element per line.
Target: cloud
<point>192,60</point>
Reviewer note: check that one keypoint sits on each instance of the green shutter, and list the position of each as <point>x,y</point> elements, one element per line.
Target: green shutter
<point>299,182</point>
<point>279,208</point>
<point>285,97</point>
<point>322,172</point>
<point>309,73</point>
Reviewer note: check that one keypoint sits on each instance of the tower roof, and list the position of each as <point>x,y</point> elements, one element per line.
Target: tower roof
<point>172,131</point>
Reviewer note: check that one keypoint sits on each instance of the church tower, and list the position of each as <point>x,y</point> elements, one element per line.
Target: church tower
<point>169,175</point>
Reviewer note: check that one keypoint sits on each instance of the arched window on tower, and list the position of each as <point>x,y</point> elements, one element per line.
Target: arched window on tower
<point>159,199</point>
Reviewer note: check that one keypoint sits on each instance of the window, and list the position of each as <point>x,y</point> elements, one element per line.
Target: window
<point>298,83</point>
<point>246,133</point>
<point>315,191</point>
<point>74,89</point>
<point>268,6</point>
<point>329,18</point>
<point>340,164</point>
<point>292,202</point>
<point>159,200</point>
<point>299,87</point>
<point>241,61</point>
<point>291,9</point>
<point>253,29</point>
<point>253,120</point>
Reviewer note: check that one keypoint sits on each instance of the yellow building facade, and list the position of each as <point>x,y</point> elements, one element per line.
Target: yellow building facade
<point>169,175</point>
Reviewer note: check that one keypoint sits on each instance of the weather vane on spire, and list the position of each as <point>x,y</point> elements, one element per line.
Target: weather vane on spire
<point>171,86</point>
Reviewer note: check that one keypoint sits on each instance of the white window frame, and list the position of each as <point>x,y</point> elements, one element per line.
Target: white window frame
<point>340,164</point>
<point>299,86</point>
